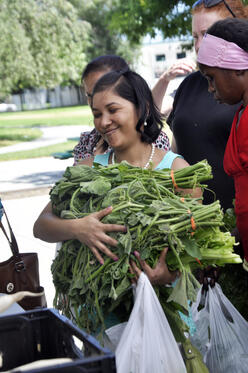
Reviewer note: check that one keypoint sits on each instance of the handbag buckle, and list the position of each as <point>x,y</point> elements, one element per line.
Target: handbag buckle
<point>10,287</point>
<point>20,266</point>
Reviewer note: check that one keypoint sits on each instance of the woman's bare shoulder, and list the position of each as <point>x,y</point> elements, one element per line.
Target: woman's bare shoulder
<point>179,163</point>
<point>86,162</point>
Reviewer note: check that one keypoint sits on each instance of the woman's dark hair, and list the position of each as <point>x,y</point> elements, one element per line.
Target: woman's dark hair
<point>234,30</point>
<point>132,87</point>
<point>105,63</point>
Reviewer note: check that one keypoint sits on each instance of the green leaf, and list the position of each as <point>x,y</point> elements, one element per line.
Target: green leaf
<point>191,247</point>
<point>124,285</point>
<point>125,242</point>
<point>100,186</point>
<point>179,292</point>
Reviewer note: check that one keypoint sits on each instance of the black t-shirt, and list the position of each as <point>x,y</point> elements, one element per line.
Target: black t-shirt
<point>201,127</point>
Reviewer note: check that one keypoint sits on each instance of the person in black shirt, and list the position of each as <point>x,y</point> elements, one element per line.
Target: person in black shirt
<point>200,125</point>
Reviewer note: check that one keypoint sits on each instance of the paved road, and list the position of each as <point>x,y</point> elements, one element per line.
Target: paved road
<point>37,172</point>
<point>24,189</point>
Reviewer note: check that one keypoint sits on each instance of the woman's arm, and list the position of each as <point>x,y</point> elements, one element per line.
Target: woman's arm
<point>88,230</point>
<point>182,67</point>
<point>177,164</point>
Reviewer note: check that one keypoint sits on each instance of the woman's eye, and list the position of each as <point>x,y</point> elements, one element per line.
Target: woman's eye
<point>209,79</point>
<point>96,115</point>
<point>112,111</point>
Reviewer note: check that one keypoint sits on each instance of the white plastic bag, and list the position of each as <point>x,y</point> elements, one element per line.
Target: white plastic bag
<point>147,344</point>
<point>225,343</point>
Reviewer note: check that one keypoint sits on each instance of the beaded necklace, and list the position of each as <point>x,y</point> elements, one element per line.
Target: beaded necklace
<point>148,162</point>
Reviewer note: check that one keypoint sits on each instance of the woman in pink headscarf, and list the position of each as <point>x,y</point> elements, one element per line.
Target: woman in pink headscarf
<point>223,60</point>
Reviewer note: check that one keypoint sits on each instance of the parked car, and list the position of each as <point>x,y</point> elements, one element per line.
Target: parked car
<point>7,107</point>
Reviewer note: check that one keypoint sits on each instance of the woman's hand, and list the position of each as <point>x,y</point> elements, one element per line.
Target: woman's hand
<point>159,275</point>
<point>181,67</point>
<point>88,230</point>
<point>208,277</point>
<point>93,233</point>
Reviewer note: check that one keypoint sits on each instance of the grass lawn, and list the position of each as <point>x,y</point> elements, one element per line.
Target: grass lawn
<point>24,126</point>
<point>75,115</point>
<point>15,135</point>
<point>45,151</point>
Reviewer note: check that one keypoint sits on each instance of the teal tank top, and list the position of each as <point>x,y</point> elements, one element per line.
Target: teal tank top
<point>166,162</point>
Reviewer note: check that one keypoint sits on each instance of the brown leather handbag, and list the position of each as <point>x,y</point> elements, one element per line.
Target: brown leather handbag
<point>20,272</point>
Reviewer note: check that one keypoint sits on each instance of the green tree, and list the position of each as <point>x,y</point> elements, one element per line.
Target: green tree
<point>104,40</point>
<point>137,18</point>
<point>42,44</point>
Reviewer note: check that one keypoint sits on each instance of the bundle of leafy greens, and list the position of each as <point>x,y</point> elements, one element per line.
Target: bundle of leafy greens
<point>156,216</point>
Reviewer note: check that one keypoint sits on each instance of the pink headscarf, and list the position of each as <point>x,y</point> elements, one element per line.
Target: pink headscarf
<point>217,52</point>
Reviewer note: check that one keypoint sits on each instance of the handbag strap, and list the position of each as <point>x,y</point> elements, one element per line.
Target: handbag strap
<point>12,240</point>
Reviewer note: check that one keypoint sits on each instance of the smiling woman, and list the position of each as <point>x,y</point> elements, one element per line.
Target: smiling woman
<point>125,115</point>
<point>129,122</point>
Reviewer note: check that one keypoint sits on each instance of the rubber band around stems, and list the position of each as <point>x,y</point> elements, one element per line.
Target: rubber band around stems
<point>192,222</point>
<point>173,179</point>
<point>193,226</point>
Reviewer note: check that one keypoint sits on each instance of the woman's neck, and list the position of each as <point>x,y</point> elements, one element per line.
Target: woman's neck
<point>139,156</point>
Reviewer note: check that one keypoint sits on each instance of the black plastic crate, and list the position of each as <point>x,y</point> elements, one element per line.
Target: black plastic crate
<point>45,334</point>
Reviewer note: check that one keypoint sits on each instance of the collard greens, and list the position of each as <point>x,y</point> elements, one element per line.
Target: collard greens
<point>156,217</point>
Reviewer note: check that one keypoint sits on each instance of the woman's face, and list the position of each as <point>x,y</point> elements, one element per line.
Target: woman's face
<point>226,85</point>
<point>201,21</point>
<point>90,81</point>
<point>115,119</point>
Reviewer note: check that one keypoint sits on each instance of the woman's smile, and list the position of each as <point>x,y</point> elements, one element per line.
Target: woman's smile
<point>115,118</point>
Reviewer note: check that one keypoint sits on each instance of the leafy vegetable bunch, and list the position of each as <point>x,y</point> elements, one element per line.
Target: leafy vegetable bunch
<point>145,201</point>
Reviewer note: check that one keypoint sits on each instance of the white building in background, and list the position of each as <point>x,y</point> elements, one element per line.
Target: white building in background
<point>157,56</point>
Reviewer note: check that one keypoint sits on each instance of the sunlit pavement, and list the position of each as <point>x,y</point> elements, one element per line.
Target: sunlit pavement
<point>22,213</point>
<point>24,189</point>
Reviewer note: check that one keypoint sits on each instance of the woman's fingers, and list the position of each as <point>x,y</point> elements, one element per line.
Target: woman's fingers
<point>135,268</point>
<point>135,271</point>
<point>115,228</point>
<point>100,214</point>
<point>97,255</point>
<point>100,246</point>
<point>145,267</point>
<point>105,251</point>
<point>162,258</point>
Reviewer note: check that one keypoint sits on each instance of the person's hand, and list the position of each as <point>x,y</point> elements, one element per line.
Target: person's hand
<point>208,276</point>
<point>182,67</point>
<point>159,275</point>
<point>93,233</point>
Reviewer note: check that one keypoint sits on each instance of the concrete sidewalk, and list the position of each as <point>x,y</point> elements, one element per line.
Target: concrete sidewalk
<point>24,190</point>
<point>29,174</point>
<point>33,174</point>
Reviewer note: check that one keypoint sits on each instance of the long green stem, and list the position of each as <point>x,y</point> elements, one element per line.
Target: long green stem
<point>97,272</point>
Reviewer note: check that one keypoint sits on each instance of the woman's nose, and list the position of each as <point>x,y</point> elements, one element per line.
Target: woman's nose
<point>105,120</point>
<point>211,88</point>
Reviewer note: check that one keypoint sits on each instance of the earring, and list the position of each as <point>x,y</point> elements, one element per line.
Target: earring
<point>145,123</point>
